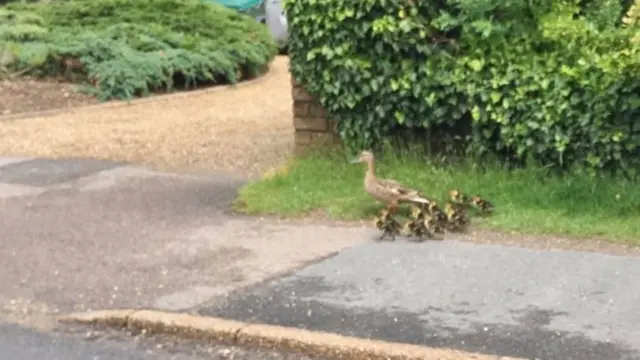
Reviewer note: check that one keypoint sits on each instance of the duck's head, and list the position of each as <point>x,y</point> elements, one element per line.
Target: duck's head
<point>364,157</point>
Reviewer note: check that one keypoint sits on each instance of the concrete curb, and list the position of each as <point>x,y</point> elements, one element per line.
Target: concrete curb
<point>312,343</point>
<point>122,103</point>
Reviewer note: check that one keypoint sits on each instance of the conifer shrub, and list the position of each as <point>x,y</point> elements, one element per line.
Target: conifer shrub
<point>124,49</point>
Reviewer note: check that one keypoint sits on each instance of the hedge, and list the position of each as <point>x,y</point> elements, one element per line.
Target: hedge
<point>550,82</point>
<point>130,48</point>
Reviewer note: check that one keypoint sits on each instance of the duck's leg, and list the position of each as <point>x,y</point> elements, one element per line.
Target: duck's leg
<point>385,233</point>
<point>393,207</point>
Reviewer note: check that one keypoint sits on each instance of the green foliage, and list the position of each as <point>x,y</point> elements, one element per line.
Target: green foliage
<point>130,48</point>
<point>5,2</point>
<point>546,81</point>
<point>21,36</point>
<point>605,14</point>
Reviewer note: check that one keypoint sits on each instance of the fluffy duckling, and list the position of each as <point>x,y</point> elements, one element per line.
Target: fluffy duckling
<point>484,206</point>
<point>436,213</point>
<point>423,225</point>
<point>415,226</point>
<point>387,224</point>
<point>457,197</point>
<point>417,212</point>
<point>434,228</point>
<point>457,219</point>
<point>426,222</point>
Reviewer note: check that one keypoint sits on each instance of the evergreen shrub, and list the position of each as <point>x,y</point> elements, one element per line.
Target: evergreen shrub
<point>129,48</point>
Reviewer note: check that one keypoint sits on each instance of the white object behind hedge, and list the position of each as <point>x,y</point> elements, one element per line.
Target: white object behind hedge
<point>276,20</point>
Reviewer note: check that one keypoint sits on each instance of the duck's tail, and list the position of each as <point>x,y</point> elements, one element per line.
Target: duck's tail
<point>418,198</point>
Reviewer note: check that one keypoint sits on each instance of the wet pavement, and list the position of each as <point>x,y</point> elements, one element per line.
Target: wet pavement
<point>536,304</point>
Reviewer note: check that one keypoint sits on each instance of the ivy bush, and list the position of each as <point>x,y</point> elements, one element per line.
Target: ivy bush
<point>551,81</point>
<point>130,48</point>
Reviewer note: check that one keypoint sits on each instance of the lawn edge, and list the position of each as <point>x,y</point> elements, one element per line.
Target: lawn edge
<point>313,343</point>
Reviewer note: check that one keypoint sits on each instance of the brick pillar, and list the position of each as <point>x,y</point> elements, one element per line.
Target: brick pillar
<point>310,120</point>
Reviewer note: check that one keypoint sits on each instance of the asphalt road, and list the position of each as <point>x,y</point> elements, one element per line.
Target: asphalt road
<point>20,343</point>
<point>536,304</point>
<point>82,234</point>
<point>17,343</point>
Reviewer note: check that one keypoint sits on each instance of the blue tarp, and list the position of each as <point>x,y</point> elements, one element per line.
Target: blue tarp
<point>240,5</point>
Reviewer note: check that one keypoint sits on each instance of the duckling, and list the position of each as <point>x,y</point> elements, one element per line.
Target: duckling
<point>422,225</point>
<point>418,212</point>
<point>415,226</point>
<point>457,197</point>
<point>484,206</point>
<point>436,213</point>
<point>433,228</point>
<point>387,224</point>
<point>457,219</point>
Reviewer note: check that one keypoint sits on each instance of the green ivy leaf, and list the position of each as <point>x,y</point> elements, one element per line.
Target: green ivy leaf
<point>476,65</point>
<point>538,83</point>
<point>495,97</point>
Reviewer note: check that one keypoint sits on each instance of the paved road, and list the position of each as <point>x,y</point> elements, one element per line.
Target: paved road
<point>81,234</point>
<point>18,343</point>
<point>86,234</point>
<point>489,299</point>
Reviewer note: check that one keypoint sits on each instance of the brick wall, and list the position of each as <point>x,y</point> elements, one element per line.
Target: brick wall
<point>310,120</point>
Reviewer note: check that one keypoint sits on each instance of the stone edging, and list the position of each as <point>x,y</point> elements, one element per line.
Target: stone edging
<point>122,103</point>
<point>313,343</point>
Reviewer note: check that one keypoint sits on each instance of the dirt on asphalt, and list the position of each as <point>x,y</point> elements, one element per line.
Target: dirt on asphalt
<point>245,129</point>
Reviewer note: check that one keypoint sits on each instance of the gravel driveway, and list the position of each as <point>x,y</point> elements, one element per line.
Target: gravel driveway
<point>245,129</point>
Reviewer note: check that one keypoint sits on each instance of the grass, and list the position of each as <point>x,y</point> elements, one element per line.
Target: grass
<point>530,201</point>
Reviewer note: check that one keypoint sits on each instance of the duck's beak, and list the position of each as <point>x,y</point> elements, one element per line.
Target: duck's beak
<point>354,161</point>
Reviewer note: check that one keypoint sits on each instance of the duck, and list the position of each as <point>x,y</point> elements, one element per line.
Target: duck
<point>387,225</point>
<point>415,225</point>
<point>436,213</point>
<point>483,205</point>
<point>434,227</point>
<point>457,197</point>
<point>424,228</point>
<point>387,191</point>
<point>458,221</point>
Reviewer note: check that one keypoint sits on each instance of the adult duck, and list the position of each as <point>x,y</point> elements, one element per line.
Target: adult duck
<point>387,191</point>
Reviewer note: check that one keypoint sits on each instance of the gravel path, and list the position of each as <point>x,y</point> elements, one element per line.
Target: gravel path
<point>246,129</point>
